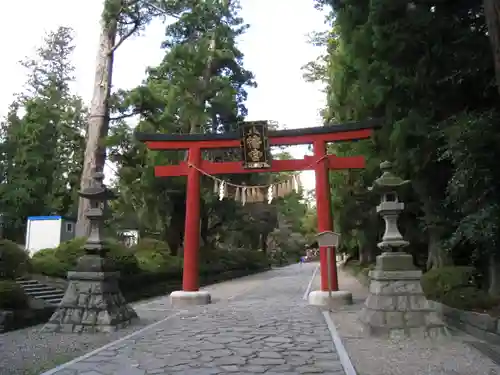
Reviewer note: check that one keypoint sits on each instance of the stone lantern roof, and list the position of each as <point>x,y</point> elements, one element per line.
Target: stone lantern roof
<point>98,191</point>
<point>387,181</point>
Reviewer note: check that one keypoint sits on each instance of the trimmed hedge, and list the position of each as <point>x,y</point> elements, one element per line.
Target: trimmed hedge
<point>150,244</point>
<point>455,287</point>
<point>14,261</point>
<point>148,269</point>
<point>57,262</point>
<point>440,281</point>
<point>12,296</point>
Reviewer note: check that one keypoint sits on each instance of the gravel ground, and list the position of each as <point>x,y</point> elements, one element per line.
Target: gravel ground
<point>30,351</point>
<point>372,356</point>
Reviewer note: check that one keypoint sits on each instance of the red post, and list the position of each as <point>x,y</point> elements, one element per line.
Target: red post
<point>323,208</point>
<point>192,225</point>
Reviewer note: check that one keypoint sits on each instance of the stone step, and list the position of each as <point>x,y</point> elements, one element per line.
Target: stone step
<point>38,290</point>
<point>53,301</point>
<point>48,295</point>
<point>27,282</point>
<point>43,293</point>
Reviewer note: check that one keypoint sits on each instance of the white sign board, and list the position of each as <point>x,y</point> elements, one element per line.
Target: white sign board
<point>328,238</point>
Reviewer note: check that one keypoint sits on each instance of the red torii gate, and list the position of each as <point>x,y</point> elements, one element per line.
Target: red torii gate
<point>320,162</point>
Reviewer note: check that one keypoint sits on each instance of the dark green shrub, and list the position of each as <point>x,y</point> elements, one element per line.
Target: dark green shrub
<point>48,264</point>
<point>153,262</point>
<point>149,265</point>
<point>285,246</point>
<point>12,296</point>
<point>468,298</point>
<point>69,252</point>
<point>439,281</point>
<point>154,256</point>
<point>43,253</point>
<point>455,287</point>
<point>14,261</point>
<point>151,245</point>
<point>252,260</point>
<point>122,258</point>
<point>157,272</point>
<point>57,262</point>
<point>224,260</point>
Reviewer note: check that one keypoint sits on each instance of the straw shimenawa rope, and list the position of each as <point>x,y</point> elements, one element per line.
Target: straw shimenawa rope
<point>219,180</point>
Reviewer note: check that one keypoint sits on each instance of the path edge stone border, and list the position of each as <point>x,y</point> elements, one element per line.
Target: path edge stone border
<point>309,286</point>
<point>345,360</point>
<point>482,326</point>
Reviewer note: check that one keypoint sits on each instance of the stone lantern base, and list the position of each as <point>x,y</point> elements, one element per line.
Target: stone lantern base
<point>396,306</point>
<point>92,303</point>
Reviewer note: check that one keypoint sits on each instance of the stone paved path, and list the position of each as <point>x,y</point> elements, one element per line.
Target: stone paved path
<point>268,330</point>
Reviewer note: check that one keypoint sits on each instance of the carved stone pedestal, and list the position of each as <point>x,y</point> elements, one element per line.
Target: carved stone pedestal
<point>92,303</point>
<point>396,306</point>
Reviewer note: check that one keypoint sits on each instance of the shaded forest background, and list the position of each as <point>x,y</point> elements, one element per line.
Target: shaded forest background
<point>198,87</point>
<point>428,68</point>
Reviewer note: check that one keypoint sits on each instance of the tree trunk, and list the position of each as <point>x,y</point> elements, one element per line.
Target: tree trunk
<point>255,241</point>
<point>372,254</point>
<point>437,256</point>
<point>364,255</point>
<point>494,275</point>
<point>204,225</point>
<point>176,228</point>
<point>263,242</point>
<point>98,123</point>
<point>492,15</point>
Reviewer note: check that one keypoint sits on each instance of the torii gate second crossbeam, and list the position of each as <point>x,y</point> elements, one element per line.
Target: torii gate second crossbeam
<point>320,162</point>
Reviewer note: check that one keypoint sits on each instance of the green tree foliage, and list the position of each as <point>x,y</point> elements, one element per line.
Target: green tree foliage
<point>199,87</point>
<point>42,139</point>
<point>426,68</point>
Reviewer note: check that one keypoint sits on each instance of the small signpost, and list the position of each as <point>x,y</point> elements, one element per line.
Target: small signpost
<point>328,239</point>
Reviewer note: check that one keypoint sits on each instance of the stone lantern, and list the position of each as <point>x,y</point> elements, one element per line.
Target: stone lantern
<point>93,301</point>
<point>95,249</point>
<point>396,306</point>
<point>393,243</point>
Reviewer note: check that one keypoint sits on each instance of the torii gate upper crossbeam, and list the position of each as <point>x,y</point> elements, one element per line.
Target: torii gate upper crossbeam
<point>288,137</point>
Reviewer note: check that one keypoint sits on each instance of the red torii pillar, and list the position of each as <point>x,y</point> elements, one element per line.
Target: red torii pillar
<point>320,162</point>
<point>324,214</point>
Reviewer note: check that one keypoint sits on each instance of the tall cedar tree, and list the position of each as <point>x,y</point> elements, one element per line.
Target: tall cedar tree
<point>199,87</point>
<point>423,66</point>
<point>42,139</point>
